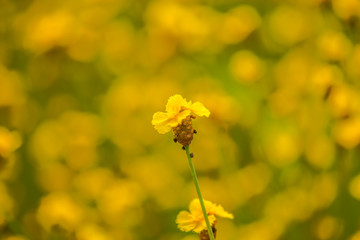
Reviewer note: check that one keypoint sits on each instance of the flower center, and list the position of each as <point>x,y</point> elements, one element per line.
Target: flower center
<point>204,235</point>
<point>184,132</point>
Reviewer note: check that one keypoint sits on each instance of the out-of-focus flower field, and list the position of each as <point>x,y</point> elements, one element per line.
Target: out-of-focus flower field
<point>79,84</point>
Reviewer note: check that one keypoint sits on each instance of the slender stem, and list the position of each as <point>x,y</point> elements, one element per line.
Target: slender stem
<point>193,172</point>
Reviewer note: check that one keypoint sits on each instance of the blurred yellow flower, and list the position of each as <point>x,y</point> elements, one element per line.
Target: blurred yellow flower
<point>334,45</point>
<point>356,236</point>
<point>194,220</point>
<point>354,187</point>
<point>346,9</point>
<point>60,208</point>
<point>237,24</point>
<point>9,142</point>
<point>92,231</point>
<point>177,109</point>
<point>328,227</point>
<point>246,67</point>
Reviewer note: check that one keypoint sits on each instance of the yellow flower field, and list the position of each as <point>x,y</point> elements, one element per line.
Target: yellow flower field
<point>278,82</point>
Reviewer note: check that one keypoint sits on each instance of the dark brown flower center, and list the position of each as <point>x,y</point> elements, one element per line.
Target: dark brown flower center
<point>204,235</point>
<point>183,133</point>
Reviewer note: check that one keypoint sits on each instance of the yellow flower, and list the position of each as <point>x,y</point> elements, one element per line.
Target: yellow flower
<point>177,109</point>
<point>194,220</point>
<point>9,142</point>
<point>60,209</point>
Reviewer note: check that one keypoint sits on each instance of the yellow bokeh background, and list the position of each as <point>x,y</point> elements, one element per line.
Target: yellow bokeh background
<point>80,81</point>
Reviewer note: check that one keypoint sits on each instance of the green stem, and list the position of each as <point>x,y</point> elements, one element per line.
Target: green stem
<point>193,172</point>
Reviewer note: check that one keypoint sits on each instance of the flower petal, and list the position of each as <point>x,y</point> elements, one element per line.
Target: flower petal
<point>162,129</point>
<point>218,210</point>
<point>186,222</point>
<point>199,109</point>
<point>159,118</point>
<point>174,104</point>
<point>211,209</point>
<point>201,224</point>
<point>182,115</point>
<point>195,207</point>
<point>176,120</point>
<point>161,122</point>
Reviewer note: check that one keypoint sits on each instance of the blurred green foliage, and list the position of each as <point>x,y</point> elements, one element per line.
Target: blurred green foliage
<point>80,81</point>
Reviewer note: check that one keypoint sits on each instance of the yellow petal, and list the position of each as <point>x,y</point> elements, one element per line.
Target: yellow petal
<point>182,115</point>
<point>195,207</point>
<point>160,121</point>
<point>174,104</point>
<point>186,222</point>
<point>162,129</point>
<point>202,224</point>
<point>177,119</point>
<point>159,118</point>
<point>199,109</point>
<point>218,210</point>
<point>211,209</point>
